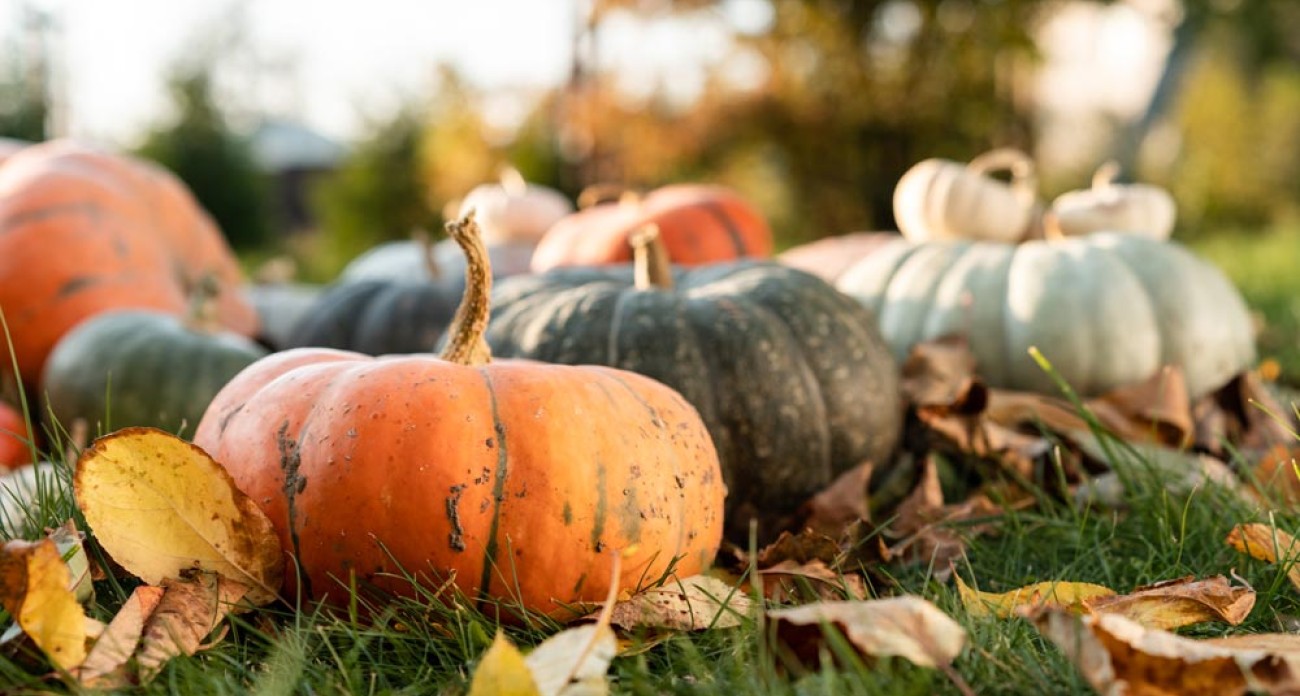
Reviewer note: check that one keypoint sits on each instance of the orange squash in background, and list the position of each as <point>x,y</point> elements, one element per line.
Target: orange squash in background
<point>83,231</point>
<point>697,224</point>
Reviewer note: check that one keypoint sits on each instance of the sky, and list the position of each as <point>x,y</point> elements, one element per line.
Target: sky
<point>328,62</point>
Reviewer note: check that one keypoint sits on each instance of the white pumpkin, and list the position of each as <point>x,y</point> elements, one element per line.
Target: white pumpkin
<point>1106,309</point>
<point>941,199</point>
<point>514,211</point>
<point>407,261</point>
<point>1134,208</point>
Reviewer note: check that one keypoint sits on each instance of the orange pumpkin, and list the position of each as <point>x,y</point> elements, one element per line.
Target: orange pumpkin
<point>517,479</point>
<point>86,231</point>
<point>14,437</point>
<point>698,224</point>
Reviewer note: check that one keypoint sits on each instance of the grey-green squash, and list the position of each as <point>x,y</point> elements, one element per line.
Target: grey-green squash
<point>791,377</point>
<point>1105,309</point>
<point>138,367</point>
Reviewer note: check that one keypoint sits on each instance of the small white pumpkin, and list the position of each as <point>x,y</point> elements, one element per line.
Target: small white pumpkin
<point>1134,208</point>
<point>514,211</point>
<point>941,199</point>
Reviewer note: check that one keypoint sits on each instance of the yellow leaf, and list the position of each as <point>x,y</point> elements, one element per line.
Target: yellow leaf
<point>503,672</point>
<point>1267,543</point>
<point>35,590</point>
<point>1068,594</point>
<point>1176,603</point>
<point>159,506</point>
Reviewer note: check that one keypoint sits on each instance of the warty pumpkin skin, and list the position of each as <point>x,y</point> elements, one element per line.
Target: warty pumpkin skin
<point>379,317</point>
<point>86,231</point>
<point>138,367</point>
<point>486,471</point>
<point>698,224</point>
<point>790,375</point>
<point>1106,309</point>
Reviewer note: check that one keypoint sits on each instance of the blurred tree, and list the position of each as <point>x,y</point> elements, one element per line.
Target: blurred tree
<point>380,192</point>
<point>215,162</point>
<point>25,90</point>
<point>854,93</point>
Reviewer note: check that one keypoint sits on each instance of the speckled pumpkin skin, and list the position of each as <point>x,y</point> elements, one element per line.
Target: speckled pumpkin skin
<point>792,378</point>
<point>517,479</point>
<point>379,317</point>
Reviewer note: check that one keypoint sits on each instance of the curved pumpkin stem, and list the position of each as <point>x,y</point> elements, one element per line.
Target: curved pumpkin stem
<point>650,263</point>
<point>512,181</point>
<point>596,194</point>
<point>1104,177</point>
<point>425,242</point>
<point>466,344</point>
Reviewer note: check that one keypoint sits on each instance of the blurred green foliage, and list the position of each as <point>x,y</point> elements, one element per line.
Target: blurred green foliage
<point>217,163</point>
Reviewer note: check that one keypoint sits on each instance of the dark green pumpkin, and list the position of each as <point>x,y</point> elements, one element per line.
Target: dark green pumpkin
<point>380,317</point>
<point>791,376</point>
<point>136,367</point>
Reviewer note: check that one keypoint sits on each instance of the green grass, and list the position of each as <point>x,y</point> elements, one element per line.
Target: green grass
<point>421,646</point>
<point>1266,268</point>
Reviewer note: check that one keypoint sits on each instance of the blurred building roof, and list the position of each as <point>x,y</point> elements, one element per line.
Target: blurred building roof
<point>279,145</point>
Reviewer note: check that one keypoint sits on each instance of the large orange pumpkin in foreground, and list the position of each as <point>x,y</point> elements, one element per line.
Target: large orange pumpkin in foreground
<point>697,223</point>
<point>518,479</point>
<point>85,231</point>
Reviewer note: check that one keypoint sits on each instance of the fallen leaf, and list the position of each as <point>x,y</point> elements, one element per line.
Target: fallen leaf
<point>159,506</point>
<point>1182,602</point>
<point>502,672</point>
<point>1276,476</point>
<point>840,504</point>
<point>800,583</point>
<point>928,529</point>
<point>106,664</point>
<point>1120,656</point>
<point>35,588</point>
<point>1267,543</point>
<point>574,660</point>
<point>905,626</point>
<point>1244,414</point>
<point>806,546</point>
<point>190,608</point>
<point>68,540</point>
<point>692,604</point>
<point>1069,595</point>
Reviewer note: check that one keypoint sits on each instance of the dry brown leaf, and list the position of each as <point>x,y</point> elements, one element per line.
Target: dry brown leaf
<point>840,504</point>
<point>803,547</point>
<point>106,665</point>
<point>692,604</point>
<point>189,609</point>
<point>1276,475</point>
<point>1182,602</point>
<point>788,582</point>
<point>1068,595</point>
<point>1120,656</point>
<point>1266,543</point>
<point>1245,414</point>
<point>941,372</point>
<point>906,626</point>
<point>160,506</point>
<point>35,588</point>
<point>927,528</point>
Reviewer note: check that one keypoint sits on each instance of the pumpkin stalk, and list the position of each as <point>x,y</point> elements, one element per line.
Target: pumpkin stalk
<point>425,240</point>
<point>596,194</point>
<point>1104,177</point>
<point>201,314</point>
<point>466,344</point>
<point>512,181</point>
<point>651,266</point>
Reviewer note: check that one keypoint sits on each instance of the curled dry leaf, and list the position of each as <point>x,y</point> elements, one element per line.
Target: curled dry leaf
<point>1120,656</point>
<point>189,609</point>
<point>1267,543</point>
<point>35,590</point>
<point>906,626</point>
<point>788,581</point>
<point>831,510</point>
<point>1182,602</point>
<point>692,604</point>
<point>160,506</point>
<point>1071,596</point>
<point>105,666</point>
